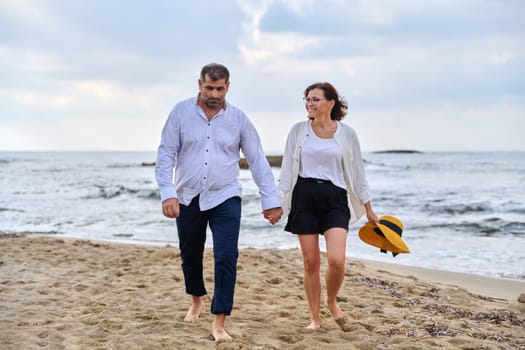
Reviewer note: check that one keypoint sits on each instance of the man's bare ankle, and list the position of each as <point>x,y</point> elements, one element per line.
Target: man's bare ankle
<point>195,309</point>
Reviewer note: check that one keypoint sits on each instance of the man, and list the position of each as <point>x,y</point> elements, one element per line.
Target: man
<point>201,140</point>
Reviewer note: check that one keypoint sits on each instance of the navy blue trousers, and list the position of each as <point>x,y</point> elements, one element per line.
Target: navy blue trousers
<point>224,221</point>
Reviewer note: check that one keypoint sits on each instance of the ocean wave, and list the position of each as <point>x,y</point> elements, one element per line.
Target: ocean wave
<point>381,166</point>
<point>459,209</point>
<point>254,223</point>
<point>250,198</point>
<point>125,166</point>
<point>487,227</point>
<point>35,232</point>
<point>514,207</point>
<point>149,194</point>
<point>122,235</point>
<point>443,207</point>
<point>516,228</point>
<point>22,160</point>
<point>11,209</point>
<point>109,192</point>
<point>514,276</point>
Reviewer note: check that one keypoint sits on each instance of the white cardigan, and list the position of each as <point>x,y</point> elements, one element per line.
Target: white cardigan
<point>353,168</point>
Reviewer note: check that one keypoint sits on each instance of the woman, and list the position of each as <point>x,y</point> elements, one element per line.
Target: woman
<point>323,188</point>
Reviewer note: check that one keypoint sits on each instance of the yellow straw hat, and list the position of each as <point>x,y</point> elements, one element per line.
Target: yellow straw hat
<point>386,236</point>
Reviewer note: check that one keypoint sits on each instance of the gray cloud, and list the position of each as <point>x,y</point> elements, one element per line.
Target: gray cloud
<point>109,61</point>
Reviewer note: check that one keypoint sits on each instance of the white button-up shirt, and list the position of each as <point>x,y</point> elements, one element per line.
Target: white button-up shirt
<point>198,156</point>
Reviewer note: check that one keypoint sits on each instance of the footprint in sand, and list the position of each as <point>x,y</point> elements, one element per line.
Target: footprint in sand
<point>275,280</point>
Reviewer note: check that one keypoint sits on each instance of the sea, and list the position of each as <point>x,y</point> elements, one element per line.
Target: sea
<point>461,211</point>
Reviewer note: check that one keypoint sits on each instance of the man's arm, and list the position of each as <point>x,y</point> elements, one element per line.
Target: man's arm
<point>259,167</point>
<point>167,160</point>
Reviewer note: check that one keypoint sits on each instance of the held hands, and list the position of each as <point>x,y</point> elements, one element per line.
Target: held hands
<point>273,215</point>
<point>170,208</point>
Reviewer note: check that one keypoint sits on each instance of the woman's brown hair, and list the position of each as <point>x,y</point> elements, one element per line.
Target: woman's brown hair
<point>330,93</point>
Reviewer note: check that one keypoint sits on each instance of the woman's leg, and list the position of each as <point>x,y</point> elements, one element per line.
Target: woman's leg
<point>312,276</point>
<point>336,255</point>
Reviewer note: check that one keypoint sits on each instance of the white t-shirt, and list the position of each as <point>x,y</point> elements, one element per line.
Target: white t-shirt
<point>322,159</point>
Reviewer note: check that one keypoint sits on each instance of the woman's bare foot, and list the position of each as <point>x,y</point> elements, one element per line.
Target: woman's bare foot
<point>335,310</point>
<point>339,316</point>
<point>344,323</point>
<point>219,333</point>
<point>193,313</point>
<point>313,326</point>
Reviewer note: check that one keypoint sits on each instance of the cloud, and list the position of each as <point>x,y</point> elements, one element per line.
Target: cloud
<point>22,11</point>
<point>80,133</point>
<point>450,126</point>
<point>66,63</point>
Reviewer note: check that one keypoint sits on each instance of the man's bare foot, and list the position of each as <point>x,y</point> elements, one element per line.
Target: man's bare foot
<point>193,313</point>
<point>221,336</point>
<point>219,333</point>
<point>313,326</point>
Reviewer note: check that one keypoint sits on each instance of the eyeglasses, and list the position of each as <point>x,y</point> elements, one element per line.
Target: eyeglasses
<point>313,100</point>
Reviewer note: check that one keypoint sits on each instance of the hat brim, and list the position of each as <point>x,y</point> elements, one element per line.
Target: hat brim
<point>389,241</point>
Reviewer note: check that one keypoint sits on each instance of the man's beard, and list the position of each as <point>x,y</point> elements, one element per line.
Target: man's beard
<point>213,102</point>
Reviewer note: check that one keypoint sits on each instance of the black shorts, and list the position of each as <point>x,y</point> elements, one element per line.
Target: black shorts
<point>317,205</point>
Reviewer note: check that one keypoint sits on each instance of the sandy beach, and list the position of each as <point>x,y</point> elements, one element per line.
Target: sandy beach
<point>58,293</point>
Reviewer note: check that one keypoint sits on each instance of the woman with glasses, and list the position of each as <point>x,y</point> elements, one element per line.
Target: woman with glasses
<point>323,188</point>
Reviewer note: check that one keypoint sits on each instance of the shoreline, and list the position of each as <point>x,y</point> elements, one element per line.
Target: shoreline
<point>494,287</point>
<point>396,266</point>
<point>68,293</point>
<point>440,276</point>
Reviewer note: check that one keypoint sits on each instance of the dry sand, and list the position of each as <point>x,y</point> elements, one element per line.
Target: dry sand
<point>74,294</point>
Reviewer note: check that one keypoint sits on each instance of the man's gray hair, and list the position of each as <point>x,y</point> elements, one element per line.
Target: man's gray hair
<point>215,71</point>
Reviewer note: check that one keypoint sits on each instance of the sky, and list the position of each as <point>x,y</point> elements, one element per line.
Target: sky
<point>432,75</point>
